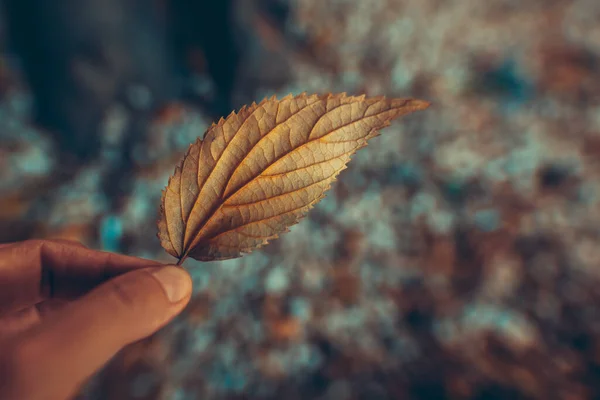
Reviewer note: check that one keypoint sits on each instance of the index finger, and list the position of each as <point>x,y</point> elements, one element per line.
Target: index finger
<point>36,270</point>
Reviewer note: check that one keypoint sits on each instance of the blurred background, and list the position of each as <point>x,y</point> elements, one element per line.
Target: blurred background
<point>456,258</point>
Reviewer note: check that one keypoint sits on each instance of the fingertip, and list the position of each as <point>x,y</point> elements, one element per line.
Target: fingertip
<point>147,298</point>
<point>175,282</point>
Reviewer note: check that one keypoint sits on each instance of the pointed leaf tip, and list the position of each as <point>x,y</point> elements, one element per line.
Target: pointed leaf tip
<point>419,104</point>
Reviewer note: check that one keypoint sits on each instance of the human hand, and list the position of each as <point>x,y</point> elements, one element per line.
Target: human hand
<point>66,310</point>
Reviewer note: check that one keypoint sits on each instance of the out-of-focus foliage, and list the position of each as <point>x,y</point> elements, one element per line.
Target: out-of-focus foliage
<point>454,258</point>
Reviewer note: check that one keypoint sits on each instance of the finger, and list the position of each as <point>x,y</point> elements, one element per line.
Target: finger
<point>68,242</point>
<point>35,270</point>
<point>54,359</point>
<point>47,308</point>
<point>23,320</point>
<point>18,322</point>
<point>59,241</point>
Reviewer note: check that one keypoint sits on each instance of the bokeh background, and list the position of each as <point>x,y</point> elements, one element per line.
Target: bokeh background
<point>456,258</point>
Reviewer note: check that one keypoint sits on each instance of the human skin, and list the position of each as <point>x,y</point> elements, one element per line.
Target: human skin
<point>66,310</point>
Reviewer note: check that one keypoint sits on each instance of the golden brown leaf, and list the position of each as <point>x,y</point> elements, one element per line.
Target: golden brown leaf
<point>259,171</point>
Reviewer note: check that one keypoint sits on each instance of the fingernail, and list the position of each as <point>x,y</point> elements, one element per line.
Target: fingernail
<point>175,282</point>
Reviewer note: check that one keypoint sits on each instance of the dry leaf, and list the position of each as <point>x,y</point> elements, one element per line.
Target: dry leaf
<point>259,171</point>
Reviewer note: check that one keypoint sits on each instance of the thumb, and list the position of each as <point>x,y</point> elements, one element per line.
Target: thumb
<point>59,356</point>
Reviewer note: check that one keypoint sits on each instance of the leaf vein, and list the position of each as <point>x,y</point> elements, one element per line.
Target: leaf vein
<point>323,116</point>
<point>169,237</point>
<point>260,220</point>
<point>278,195</point>
<point>312,164</point>
<point>300,146</point>
<point>206,181</point>
<point>257,143</point>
